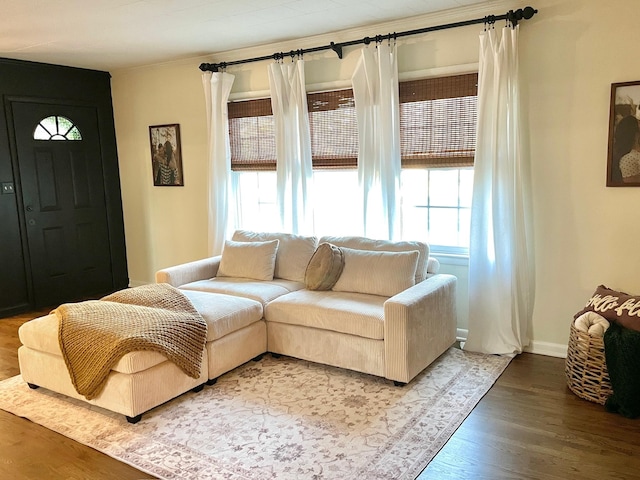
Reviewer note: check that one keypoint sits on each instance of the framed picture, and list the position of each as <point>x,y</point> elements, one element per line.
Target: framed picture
<point>166,155</point>
<point>623,160</point>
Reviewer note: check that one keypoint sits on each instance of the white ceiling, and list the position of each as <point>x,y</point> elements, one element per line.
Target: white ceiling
<point>113,34</point>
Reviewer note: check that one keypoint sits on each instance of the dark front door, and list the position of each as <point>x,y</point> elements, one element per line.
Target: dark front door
<point>62,185</point>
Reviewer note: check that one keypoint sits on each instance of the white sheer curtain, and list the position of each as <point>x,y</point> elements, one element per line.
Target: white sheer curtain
<point>501,276</point>
<point>293,145</point>
<point>217,86</point>
<point>375,90</point>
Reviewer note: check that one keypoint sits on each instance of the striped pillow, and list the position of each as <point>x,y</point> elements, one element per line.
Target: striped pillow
<point>377,272</point>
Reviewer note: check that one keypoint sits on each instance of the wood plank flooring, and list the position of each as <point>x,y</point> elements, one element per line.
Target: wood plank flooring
<point>528,426</point>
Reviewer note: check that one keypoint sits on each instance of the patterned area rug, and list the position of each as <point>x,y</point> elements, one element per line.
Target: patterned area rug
<point>280,418</point>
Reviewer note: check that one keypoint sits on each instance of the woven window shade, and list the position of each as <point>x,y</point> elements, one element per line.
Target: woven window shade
<point>437,127</point>
<point>438,121</point>
<point>334,132</point>
<point>252,135</point>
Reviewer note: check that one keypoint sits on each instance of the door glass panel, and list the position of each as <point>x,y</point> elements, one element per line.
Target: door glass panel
<point>56,127</point>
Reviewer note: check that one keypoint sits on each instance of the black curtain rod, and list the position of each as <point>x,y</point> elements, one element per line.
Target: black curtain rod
<point>511,16</point>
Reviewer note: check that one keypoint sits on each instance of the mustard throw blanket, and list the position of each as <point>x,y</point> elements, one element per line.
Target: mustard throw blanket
<point>95,334</point>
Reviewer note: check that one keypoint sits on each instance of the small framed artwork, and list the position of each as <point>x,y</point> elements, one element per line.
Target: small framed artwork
<point>623,159</point>
<point>166,155</point>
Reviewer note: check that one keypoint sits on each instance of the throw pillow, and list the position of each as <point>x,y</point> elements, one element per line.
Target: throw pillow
<point>294,251</point>
<point>324,268</point>
<point>255,260</point>
<point>615,306</point>
<point>377,272</point>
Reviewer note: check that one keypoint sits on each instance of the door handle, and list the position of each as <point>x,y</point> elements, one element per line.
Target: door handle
<point>29,208</point>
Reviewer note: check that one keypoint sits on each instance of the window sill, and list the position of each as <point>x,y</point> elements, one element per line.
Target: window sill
<point>451,258</point>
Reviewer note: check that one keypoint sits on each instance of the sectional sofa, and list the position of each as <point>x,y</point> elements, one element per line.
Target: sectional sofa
<point>377,307</point>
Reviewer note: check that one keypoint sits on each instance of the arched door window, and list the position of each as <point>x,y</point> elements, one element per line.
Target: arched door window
<point>56,127</point>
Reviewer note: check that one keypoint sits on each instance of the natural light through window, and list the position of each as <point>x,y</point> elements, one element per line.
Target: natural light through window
<point>56,127</point>
<point>436,205</point>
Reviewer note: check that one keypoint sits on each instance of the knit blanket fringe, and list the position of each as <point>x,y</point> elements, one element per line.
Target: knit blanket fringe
<point>94,335</point>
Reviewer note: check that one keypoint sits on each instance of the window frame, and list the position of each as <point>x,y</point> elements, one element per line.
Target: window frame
<point>447,86</point>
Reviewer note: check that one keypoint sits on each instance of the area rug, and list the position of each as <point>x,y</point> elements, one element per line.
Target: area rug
<point>280,419</point>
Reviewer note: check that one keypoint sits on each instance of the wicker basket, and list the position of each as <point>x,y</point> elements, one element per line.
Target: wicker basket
<point>586,368</point>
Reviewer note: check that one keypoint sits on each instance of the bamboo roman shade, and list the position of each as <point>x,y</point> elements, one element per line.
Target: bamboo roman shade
<point>438,121</point>
<point>437,126</point>
<point>252,135</point>
<point>334,132</point>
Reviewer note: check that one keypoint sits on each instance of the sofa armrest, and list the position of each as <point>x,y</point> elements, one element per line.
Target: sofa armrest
<point>189,272</point>
<point>420,324</point>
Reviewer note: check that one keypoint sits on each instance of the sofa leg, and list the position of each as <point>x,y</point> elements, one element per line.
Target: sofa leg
<point>198,388</point>
<point>33,386</point>
<point>275,355</point>
<point>399,384</point>
<point>258,358</point>
<point>211,381</point>
<point>135,419</point>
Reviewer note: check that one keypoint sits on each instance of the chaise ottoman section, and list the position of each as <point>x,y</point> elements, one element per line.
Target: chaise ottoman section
<point>137,383</point>
<point>142,380</point>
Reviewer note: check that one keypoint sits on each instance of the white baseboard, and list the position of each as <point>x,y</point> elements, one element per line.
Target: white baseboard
<point>136,283</point>
<point>549,349</point>
<point>539,348</point>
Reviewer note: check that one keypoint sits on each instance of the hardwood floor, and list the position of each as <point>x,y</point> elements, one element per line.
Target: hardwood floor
<point>528,426</point>
<point>29,451</point>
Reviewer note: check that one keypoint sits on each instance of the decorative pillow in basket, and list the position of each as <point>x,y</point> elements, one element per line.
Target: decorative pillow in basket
<point>585,367</point>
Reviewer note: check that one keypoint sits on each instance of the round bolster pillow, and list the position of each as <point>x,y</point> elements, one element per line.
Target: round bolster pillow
<point>324,268</point>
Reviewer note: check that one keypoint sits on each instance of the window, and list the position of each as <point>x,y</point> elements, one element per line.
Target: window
<point>436,204</point>
<point>56,128</point>
<point>437,135</point>
<point>438,142</point>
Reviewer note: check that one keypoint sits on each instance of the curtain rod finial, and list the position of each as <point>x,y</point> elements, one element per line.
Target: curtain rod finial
<point>521,13</point>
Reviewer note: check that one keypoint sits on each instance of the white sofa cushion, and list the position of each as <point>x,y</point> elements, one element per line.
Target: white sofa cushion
<point>224,314</point>
<point>257,290</point>
<point>293,255</point>
<point>377,273</point>
<point>255,260</point>
<point>362,243</point>
<point>342,312</point>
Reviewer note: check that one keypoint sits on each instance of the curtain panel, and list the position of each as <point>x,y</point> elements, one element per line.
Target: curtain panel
<point>375,90</point>
<point>217,86</point>
<point>501,276</point>
<point>293,145</point>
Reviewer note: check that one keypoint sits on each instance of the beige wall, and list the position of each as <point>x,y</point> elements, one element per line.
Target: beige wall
<point>571,52</point>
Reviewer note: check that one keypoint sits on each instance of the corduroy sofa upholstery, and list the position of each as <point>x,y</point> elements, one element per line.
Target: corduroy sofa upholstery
<point>394,336</point>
